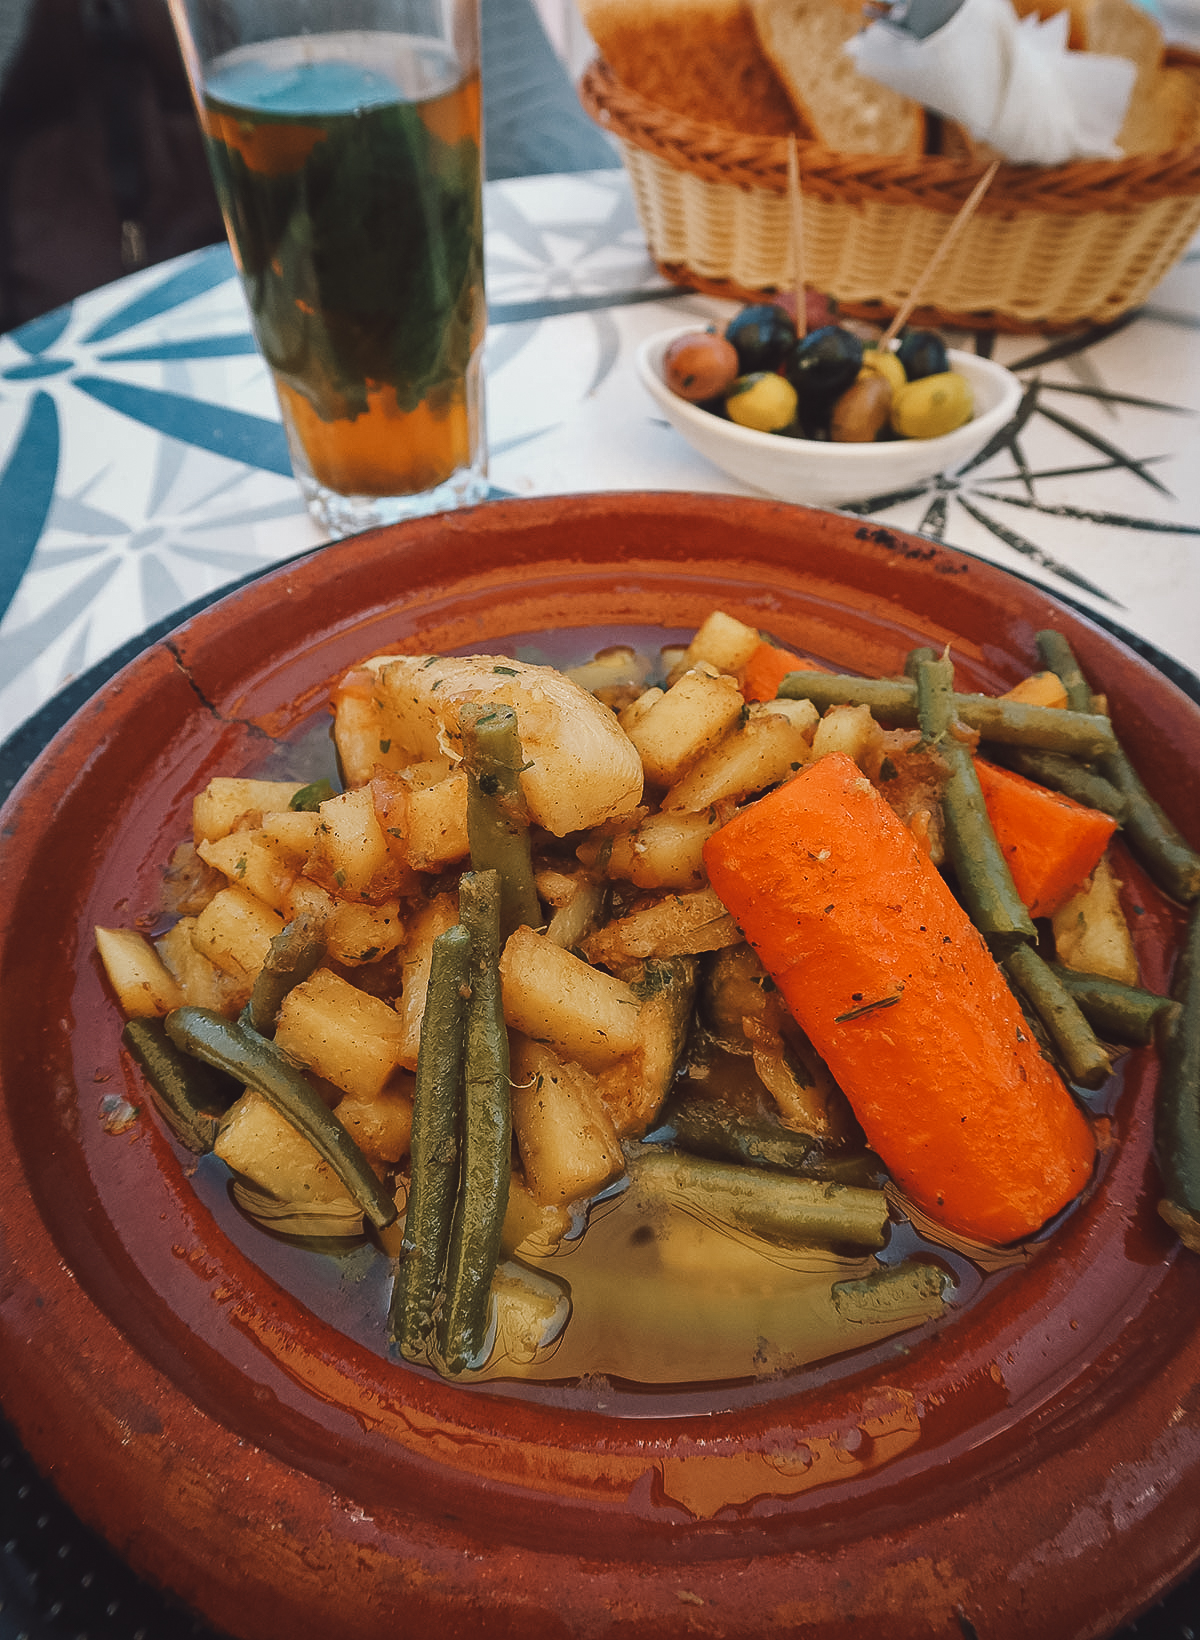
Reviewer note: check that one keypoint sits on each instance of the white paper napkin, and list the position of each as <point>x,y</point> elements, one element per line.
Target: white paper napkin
<point>1009,80</point>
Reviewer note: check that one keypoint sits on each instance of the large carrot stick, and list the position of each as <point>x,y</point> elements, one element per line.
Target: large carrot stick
<point>899,993</point>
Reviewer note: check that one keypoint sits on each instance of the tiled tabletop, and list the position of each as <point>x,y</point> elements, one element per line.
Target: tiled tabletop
<point>142,464</point>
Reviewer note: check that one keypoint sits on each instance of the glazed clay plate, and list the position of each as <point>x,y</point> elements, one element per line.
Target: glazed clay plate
<point>1029,1467</point>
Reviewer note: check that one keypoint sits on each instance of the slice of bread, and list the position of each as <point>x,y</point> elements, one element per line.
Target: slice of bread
<point>696,57</point>
<point>1162,107</point>
<point>1163,113</point>
<point>1122,28</point>
<point>804,39</point>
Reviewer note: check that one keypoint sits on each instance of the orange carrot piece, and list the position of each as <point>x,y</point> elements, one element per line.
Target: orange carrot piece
<point>767,668</point>
<point>1052,843</point>
<point>898,992</point>
<point>1039,689</point>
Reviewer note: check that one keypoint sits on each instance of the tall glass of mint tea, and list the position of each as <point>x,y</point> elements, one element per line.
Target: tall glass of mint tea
<point>344,140</point>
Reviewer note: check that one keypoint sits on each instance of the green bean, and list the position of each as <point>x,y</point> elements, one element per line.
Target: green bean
<point>1017,723</point>
<point>933,680</point>
<point>984,880</point>
<point>913,661</point>
<point>1082,1056</point>
<point>1010,722</point>
<point>777,1207</point>
<point>913,1291</point>
<point>892,698</point>
<point>474,1248</point>
<point>713,1128</point>
<point>1061,773</point>
<point>297,951</point>
<point>1166,854</point>
<point>1152,836</point>
<point>1058,657</point>
<point>437,1110</point>
<point>191,1097</point>
<point>243,1053</point>
<point>1177,1116</point>
<point>1119,1013</point>
<point>497,816</point>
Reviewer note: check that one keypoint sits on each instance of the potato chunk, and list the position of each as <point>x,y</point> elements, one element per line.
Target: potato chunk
<point>1091,935</point>
<point>558,999</point>
<point>382,1126</point>
<point>263,1146</point>
<point>664,851</point>
<point>204,985</point>
<point>676,925</point>
<point>350,1038</point>
<point>436,828</point>
<point>432,920</point>
<point>227,800</point>
<point>764,750</point>
<point>235,930</point>
<point>569,1147</point>
<point>849,729</point>
<point>676,728</point>
<point>248,859</point>
<point>362,933</point>
<point>722,642</point>
<point>352,856</point>
<point>145,986</point>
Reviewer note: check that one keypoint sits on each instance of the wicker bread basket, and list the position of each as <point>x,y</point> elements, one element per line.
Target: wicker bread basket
<point>1049,247</point>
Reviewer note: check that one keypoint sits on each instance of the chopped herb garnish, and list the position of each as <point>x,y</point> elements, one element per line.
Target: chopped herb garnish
<point>311,797</point>
<point>869,1008</point>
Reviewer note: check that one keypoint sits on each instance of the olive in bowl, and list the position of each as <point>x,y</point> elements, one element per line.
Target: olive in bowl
<point>700,365</point>
<point>763,335</point>
<point>823,472</point>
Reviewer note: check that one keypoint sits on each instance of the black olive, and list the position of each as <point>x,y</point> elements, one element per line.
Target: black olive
<point>922,353</point>
<point>821,366</point>
<point>762,336</point>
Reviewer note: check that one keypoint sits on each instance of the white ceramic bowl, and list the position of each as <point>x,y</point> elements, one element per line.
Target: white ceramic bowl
<point>831,475</point>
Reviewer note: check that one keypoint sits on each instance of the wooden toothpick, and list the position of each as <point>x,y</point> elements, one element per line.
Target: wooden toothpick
<point>796,204</point>
<point>969,206</point>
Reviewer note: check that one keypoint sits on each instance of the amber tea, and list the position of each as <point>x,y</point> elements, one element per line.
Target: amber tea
<point>348,169</point>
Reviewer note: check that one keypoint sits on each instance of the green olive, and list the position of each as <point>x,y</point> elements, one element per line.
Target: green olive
<point>933,406</point>
<point>883,362</point>
<point>763,401</point>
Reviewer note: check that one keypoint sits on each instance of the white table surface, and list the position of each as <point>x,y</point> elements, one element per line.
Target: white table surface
<point>1099,498</point>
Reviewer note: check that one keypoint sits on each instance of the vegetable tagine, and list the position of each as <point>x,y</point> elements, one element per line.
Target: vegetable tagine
<point>680,1019</point>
